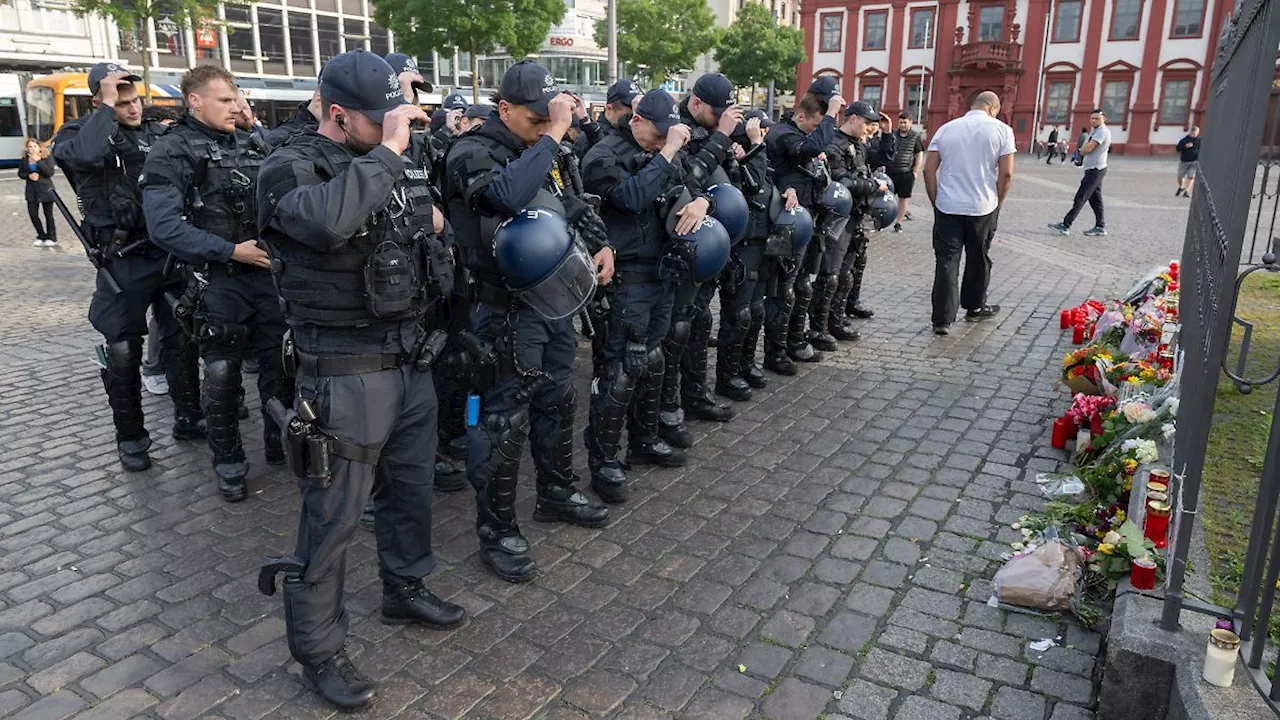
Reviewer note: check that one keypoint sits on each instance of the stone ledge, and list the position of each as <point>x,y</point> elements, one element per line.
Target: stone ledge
<point>1155,675</point>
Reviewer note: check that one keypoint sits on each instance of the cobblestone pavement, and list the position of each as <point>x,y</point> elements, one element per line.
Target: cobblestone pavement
<point>828,552</point>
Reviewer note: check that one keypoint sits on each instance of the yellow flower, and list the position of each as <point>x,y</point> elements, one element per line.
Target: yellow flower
<point>1120,516</point>
<point>1106,548</point>
<point>1130,465</point>
<point>1100,534</point>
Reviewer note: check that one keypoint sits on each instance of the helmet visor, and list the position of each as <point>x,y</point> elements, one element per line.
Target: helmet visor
<point>566,290</point>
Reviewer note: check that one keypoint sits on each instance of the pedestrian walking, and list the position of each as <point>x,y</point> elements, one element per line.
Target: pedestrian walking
<point>904,166</point>
<point>1188,162</point>
<point>36,169</point>
<point>1094,151</point>
<point>967,174</point>
<point>1052,145</point>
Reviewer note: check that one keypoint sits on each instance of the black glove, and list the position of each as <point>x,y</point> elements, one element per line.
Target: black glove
<point>584,219</point>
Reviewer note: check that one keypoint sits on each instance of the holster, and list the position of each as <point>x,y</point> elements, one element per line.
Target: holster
<point>307,449</point>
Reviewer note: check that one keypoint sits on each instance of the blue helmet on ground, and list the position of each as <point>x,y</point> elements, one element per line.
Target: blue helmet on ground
<point>837,200</point>
<point>731,209</point>
<point>884,208</point>
<point>706,249</point>
<point>800,223</point>
<point>543,265</point>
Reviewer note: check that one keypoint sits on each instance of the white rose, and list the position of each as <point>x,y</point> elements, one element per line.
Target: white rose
<point>1112,538</point>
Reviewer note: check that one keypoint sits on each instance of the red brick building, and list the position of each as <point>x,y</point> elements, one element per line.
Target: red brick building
<point>1146,62</point>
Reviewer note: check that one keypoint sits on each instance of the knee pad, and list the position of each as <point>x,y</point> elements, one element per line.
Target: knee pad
<point>507,433</point>
<point>655,362</point>
<point>124,353</point>
<point>804,286</point>
<point>756,311</point>
<point>680,330</point>
<point>742,318</point>
<point>557,403</point>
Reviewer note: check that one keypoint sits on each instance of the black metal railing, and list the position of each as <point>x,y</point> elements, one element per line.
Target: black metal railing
<point>1227,205</point>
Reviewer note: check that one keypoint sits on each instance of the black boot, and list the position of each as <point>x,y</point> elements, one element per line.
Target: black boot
<point>502,547</point>
<point>611,396</point>
<point>340,683</point>
<point>649,428</point>
<point>272,450</point>
<point>776,359</point>
<point>506,552</point>
<point>188,427</point>
<point>733,331</point>
<point>609,480</point>
<point>450,475</point>
<point>122,380</point>
<point>563,503</point>
<point>840,325</point>
<point>703,406</point>
<point>844,330</point>
<point>854,306</point>
<point>750,370</point>
<point>655,451</point>
<point>413,603</point>
<point>223,390</point>
<point>799,348</point>
<point>182,369</point>
<point>820,336</point>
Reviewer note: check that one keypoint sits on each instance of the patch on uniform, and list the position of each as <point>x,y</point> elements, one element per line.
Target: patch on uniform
<point>556,177</point>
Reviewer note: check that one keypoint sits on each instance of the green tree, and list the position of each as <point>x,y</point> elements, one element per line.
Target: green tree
<point>476,27</point>
<point>659,38</point>
<point>755,49</point>
<point>137,13</point>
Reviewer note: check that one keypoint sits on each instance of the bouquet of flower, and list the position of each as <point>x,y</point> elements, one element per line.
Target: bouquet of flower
<point>1082,369</point>
<point>1084,407</point>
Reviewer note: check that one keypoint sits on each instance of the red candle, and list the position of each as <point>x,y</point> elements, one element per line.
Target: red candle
<point>1156,528</point>
<point>1077,335</point>
<point>1065,321</point>
<point>1173,270</point>
<point>1173,286</point>
<point>1093,326</point>
<point>1060,434</point>
<point>1077,315</point>
<point>1095,425</point>
<point>1071,425</point>
<point>1144,574</point>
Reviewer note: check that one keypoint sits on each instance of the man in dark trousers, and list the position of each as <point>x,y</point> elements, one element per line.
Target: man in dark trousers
<point>1093,151</point>
<point>492,174</point>
<point>635,169</point>
<point>904,166</point>
<point>968,172</point>
<point>794,146</point>
<point>102,155</point>
<point>198,196</point>
<point>346,224</point>
<point>1052,145</point>
<point>1188,162</point>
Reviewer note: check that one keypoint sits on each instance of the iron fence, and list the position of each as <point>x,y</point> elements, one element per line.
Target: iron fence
<point>1227,206</point>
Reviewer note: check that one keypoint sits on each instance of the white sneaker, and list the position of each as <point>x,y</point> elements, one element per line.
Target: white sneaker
<point>156,384</point>
<point>50,243</point>
<point>38,243</point>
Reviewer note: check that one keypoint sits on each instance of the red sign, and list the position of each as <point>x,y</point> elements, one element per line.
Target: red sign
<point>206,38</point>
<point>562,42</point>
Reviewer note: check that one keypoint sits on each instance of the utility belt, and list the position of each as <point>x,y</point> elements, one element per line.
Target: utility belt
<point>422,357</point>
<point>637,275</point>
<point>308,447</point>
<point>231,268</point>
<point>125,243</point>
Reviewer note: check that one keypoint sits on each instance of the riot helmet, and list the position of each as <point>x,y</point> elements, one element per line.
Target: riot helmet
<point>800,224</point>
<point>882,177</point>
<point>884,209</point>
<point>543,265</point>
<point>705,249</point>
<point>731,210</point>
<point>837,200</point>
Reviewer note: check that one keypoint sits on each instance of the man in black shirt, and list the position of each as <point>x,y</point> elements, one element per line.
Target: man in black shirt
<point>1188,162</point>
<point>904,166</point>
<point>1052,145</point>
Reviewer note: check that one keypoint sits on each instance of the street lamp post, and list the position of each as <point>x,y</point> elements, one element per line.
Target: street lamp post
<point>1044,54</point>
<point>613,41</point>
<point>923,94</point>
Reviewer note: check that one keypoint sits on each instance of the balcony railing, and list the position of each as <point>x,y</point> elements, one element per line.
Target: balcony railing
<point>978,55</point>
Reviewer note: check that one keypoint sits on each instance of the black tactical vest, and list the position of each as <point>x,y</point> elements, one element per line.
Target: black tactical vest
<point>384,273</point>
<point>221,198</point>
<point>787,174</point>
<point>111,196</point>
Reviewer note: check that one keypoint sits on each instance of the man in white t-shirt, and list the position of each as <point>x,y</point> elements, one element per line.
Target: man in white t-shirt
<point>1094,152</point>
<point>967,174</point>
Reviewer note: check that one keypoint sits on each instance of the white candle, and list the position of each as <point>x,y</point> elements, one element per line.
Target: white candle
<point>1083,438</point>
<point>1220,658</point>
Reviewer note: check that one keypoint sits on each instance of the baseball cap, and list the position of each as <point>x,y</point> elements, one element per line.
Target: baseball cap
<point>862,109</point>
<point>455,101</point>
<point>529,84</point>
<point>715,90</point>
<point>765,122</point>
<point>824,87</point>
<point>478,111</point>
<point>402,63</point>
<point>623,91</point>
<point>361,81</point>
<point>660,108</point>
<point>101,70</point>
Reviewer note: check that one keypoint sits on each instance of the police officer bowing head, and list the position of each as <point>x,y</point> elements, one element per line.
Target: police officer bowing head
<point>713,104</point>
<point>411,81</point>
<point>509,175</point>
<point>348,237</point>
<point>620,101</point>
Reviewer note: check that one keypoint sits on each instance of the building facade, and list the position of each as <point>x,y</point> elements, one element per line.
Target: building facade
<point>1145,62</point>
<point>40,36</point>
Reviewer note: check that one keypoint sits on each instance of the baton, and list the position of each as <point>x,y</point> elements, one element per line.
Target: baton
<point>95,258</point>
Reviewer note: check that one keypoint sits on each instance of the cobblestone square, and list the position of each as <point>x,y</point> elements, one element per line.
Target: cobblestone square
<point>827,553</point>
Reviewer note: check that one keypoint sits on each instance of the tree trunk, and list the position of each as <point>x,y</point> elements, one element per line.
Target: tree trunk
<point>475,78</point>
<point>753,94</point>
<point>146,78</point>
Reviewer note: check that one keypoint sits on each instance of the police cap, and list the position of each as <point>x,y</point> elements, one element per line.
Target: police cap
<point>715,90</point>
<point>660,108</point>
<point>455,101</point>
<point>402,63</point>
<point>862,109</point>
<point>361,81</point>
<point>101,70</point>
<point>765,122</point>
<point>478,111</point>
<point>624,91</point>
<point>824,87</point>
<point>529,84</point>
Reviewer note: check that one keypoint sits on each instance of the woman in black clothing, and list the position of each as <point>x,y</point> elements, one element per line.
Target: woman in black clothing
<point>37,169</point>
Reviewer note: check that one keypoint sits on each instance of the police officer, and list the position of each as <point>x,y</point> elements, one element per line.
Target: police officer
<point>474,117</point>
<point>847,165</point>
<point>794,147</point>
<point>637,171</point>
<point>510,164</point>
<point>741,293</point>
<point>711,113</point>
<point>345,221</point>
<point>620,102</point>
<point>102,156</point>
<point>307,118</point>
<point>198,200</point>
